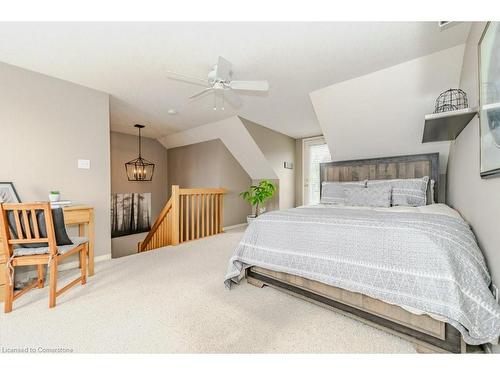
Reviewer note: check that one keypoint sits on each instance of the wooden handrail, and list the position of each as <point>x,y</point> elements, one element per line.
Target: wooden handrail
<point>166,209</point>
<point>202,191</point>
<point>188,215</point>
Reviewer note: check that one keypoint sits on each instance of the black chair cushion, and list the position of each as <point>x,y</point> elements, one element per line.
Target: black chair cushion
<point>59,227</point>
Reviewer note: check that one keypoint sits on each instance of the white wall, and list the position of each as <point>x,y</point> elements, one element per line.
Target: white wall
<point>277,148</point>
<point>46,125</point>
<point>477,199</point>
<point>382,113</point>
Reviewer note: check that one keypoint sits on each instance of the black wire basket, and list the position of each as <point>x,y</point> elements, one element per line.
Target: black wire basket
<point>451,100</point>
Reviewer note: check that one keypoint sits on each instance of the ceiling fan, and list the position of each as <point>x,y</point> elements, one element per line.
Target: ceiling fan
<point>219,80</point>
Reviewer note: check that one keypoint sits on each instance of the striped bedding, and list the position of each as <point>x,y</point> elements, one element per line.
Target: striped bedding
<point>418,260</point>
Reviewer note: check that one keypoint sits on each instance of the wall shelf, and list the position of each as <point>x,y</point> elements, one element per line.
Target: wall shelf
<point>446,126</point>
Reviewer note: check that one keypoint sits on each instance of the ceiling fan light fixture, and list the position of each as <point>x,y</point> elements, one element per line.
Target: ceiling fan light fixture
<point>220,80</point>
<point>139,169</point>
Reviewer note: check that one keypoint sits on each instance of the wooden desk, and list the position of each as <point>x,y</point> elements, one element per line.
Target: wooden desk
<point>83,216</point>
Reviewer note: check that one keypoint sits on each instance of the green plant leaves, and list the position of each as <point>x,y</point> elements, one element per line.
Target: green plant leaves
<point>259,194</point>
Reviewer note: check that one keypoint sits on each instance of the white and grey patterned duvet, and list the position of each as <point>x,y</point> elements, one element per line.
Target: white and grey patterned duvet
<point>428,262</point>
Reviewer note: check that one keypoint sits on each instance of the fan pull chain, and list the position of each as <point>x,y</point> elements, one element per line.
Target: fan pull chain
<point>215,101</point>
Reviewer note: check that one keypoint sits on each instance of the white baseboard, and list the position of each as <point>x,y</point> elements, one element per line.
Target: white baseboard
<point>234,226</point>
<point>25,276</point>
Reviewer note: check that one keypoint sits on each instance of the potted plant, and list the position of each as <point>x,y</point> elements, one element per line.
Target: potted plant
<point>257,195</point>
<point>54,196</point>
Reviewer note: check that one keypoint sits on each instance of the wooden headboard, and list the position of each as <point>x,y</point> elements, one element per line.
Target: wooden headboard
<point>408,166</point>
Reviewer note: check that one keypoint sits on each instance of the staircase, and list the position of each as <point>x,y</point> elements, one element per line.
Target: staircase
<point>189,214</point>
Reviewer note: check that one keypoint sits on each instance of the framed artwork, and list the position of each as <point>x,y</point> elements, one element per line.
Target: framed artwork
<point>130,213</point>
<point>489,99</point>
<point>8,193</point>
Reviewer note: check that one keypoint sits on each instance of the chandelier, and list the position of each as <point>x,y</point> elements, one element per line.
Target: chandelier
<point>139,169</point>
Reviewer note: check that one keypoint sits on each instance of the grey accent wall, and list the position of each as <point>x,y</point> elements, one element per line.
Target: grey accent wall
<point>46,125</point>
<point>277,148</point>
<point>124,147</point>
<point>210,164</point>
<point>478,200</point>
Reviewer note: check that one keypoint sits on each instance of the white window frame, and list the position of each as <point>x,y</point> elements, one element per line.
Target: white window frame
<point>320,139</point>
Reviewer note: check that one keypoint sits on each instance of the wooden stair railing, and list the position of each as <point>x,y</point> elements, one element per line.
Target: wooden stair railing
<point>189,214</point>
<point>161,231</point>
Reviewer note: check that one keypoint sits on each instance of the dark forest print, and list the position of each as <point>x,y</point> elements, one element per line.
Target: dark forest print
<point>130,213</point>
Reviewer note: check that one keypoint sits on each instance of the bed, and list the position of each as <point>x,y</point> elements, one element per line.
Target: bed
<point>414,271</point>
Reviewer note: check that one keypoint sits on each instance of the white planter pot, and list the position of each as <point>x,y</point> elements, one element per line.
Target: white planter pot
<point>250,218</point>
<point>54,197</point>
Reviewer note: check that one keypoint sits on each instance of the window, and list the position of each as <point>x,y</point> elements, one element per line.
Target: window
<point>315,151</point>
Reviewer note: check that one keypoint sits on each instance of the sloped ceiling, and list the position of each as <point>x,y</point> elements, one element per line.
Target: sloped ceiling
<point>129,61</point>
<point>382,113</point>
<point>235,137</point>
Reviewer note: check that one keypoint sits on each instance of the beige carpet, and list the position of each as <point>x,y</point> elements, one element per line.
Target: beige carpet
<point>173,300</point>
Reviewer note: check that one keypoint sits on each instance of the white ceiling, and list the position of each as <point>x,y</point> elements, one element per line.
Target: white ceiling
<point>129,61</point>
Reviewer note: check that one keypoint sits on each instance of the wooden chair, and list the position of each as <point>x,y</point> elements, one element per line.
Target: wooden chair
<point>50,255</point>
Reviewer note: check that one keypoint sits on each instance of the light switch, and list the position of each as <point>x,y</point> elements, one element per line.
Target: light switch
<point>83,164</point>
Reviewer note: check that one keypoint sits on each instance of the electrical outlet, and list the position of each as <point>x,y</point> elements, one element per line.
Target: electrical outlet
<point>83,164</point>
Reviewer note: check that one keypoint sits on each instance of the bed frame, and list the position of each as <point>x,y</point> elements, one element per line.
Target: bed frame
<point>427,333</point>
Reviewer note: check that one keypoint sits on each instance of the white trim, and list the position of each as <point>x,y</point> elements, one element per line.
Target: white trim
<point>234,226</point>
<point>318,139</point>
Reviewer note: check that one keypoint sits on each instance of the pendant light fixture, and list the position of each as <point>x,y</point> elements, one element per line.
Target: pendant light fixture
<point>139,169</point>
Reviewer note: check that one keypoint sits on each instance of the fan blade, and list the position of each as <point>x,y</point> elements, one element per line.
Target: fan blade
<point>201,93</point>
<point>249,85</point>
<point>233,99</point>
<point>223,70</point>
<point>187,78</point>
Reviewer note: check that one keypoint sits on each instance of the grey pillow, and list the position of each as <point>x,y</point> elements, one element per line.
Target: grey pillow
<point>405,192</point>
<point>59,228</point>
<point>334,192</point>
<point>375,196</point>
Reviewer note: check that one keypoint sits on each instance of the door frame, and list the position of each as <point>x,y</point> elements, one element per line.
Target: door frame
<point>312,140</point>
